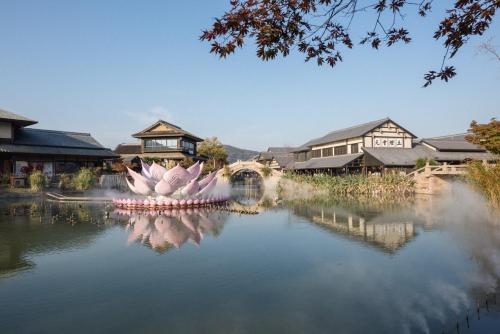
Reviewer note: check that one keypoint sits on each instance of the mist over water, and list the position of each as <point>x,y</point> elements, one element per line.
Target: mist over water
<point>305,264</point>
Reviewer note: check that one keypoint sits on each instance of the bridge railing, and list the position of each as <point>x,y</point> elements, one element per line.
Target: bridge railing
<point>443,169</point>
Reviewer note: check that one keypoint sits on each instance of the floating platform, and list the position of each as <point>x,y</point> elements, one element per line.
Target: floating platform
<point>168,203</point>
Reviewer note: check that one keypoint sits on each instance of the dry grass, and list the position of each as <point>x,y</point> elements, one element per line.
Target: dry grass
<point>486,179</point>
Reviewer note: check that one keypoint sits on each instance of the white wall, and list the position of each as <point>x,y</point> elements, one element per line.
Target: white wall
<point>388,135</point>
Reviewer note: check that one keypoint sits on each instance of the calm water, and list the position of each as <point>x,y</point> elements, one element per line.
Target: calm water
<point>297,267</point>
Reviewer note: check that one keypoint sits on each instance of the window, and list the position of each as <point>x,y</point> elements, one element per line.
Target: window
<point>316,153</point>
<point>354,148</point>
<point>340,150</point>
<point>188,146</point>
<point>327,152</point>
<point>299,157</point>
<point>160,143</point>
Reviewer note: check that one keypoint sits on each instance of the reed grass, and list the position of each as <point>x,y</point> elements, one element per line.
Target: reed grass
<point>84,179</point>
<point>486,179</point>
<point>356,184</point>
<point>37,181</point>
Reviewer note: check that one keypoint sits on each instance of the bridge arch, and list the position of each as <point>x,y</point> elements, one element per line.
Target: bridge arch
<point>250,165</point>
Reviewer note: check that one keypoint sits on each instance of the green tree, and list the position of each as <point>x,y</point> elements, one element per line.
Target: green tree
<point>213,149</point>
<point>487,135</point>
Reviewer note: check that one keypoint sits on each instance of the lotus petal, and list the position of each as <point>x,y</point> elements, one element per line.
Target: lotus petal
<point>186,220</point>
<point>203,183</point>
<point>157,171</point>
<point>175,233</point>
<point>163,188</point>
<point>193,167</point>
<point>192,188</point>
<point>145,170</point>
<point>208,188</point>
<point>138,177</point>
<point>195,170</point>
<point>177,177</point>
<point>139,187</point>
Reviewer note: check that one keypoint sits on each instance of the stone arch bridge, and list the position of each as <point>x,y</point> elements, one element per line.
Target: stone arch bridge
<point>250,165</point>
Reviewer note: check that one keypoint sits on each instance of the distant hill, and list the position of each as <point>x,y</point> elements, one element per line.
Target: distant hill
<point>234,154</point>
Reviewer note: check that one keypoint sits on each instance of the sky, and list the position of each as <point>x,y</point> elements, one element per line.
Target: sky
<point>114,67</point>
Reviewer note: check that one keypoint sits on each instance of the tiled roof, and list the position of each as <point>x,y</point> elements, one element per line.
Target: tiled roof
<point>175,132</point>
<point>351,132</point>
<point>452,143</point>
<point>280,149</point>
<point>408,157</point>
<point>15,118</point>
<point>346,133</point>
<point>39,137</point>
<point>330,162</point>
<point>51,150</point>
<point>38,141</point>
<point>128,149</point>
<point>399,156</point>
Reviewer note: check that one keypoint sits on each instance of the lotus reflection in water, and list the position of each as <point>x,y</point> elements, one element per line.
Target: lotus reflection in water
<point>163,229</point>
<point>174,188</point>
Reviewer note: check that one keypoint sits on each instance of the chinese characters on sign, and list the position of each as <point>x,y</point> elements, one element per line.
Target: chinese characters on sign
<point>388,142</point>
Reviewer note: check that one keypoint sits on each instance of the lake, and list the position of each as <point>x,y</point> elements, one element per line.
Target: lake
<point>417,265</point>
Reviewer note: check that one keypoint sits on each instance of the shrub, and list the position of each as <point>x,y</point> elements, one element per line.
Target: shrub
<point>421,162</point>
<point>37,181</point>
<point>84,179</point>
<point>227,171</point>
<point>186,162</point>
<point>266,171</point>
<point>4,178</point>
<point>64,181</point>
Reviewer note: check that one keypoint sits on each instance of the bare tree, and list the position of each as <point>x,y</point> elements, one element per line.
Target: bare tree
<point>490,49</point>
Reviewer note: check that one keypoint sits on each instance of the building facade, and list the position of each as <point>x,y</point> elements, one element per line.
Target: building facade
<point>381,146</point>
<point>277,158</point>
<point>23,149</point>
<point>164,141</point>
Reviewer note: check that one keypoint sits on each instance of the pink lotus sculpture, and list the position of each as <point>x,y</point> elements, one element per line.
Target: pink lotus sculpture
<point>176,187</point>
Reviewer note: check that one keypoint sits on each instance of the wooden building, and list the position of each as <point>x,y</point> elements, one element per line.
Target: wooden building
<point>380,146</point>
<point>278,158</point>
<point>23,149</point>
<point>164,141</point>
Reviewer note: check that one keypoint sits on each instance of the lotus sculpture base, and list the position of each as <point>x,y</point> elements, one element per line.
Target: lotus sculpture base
<point>168,203</point>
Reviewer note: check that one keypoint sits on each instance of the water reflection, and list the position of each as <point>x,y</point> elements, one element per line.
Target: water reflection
<point>35,227</point>
<point>162,230</point>
<point>385,231</point>
<point>428,262</point>
<point>247,192</point>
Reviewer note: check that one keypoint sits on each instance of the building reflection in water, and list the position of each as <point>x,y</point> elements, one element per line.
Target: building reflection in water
<point>163,230</point>
<point>386,231</point>
<point>32,227</point>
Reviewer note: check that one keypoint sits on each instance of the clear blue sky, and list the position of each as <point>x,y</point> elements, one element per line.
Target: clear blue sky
<point>113,67</point>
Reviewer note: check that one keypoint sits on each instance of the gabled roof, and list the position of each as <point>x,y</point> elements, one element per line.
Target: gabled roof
<point>7,116</point>
<point>453,143</point>
<point>352,132</point>
<point>38,141</point>
<point>167,130</point>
